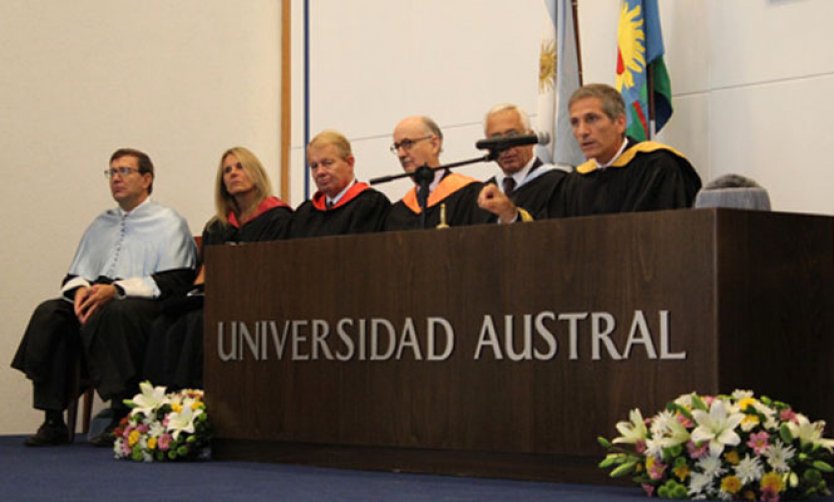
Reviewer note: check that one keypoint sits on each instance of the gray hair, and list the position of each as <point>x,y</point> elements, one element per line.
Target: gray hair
<point>503,107</point>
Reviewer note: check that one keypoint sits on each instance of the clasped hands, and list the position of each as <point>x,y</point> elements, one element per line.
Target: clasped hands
<point>88,300</point>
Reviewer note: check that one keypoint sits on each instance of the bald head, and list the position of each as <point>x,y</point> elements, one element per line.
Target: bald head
<point>417,141</point>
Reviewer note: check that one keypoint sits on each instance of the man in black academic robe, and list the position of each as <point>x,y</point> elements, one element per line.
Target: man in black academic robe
<point>341,205</point>
<point>528,182</point>
<point>128,259</point>
<point>620,175</point>
<point>450,198</point>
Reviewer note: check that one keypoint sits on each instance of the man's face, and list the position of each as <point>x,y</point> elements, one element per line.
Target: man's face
<point>508,123</point>
<point>330,171</point>
<point>416,145</point>
<point>131,188</point>
<point>235,178</point>
<point>598,136</point>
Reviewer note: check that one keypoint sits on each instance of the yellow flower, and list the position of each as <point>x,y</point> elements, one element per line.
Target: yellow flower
<point>133,437</point>
<point>681,471</point>
<point>749,422</point>
<point>152,443</point>
<point>730,484</point>
<point>732,457</point>
<point>772,482</point>
<point>176,407</point>
<point>745,403</point>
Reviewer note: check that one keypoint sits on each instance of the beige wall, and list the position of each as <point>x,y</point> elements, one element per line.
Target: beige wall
<point>185,79</point>
<point>181,80</point>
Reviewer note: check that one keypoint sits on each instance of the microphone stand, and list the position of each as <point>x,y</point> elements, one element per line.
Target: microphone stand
<point>424,175</point>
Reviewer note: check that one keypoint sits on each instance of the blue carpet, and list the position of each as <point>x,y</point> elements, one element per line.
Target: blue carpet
<point>83,472</point>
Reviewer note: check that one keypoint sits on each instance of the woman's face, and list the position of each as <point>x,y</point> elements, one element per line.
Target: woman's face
<point>235,178</point>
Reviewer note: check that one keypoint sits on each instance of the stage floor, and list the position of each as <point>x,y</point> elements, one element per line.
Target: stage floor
<point>83,472</point>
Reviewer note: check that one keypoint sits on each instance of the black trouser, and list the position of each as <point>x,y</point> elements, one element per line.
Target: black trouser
<point>112,343</point>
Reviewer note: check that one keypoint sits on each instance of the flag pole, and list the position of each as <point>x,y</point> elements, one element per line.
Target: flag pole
<point>650,91</point>
<point>574,6</point>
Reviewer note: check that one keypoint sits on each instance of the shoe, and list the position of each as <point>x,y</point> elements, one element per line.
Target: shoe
<point>49,435</point>
<point>106,437</point>
<point>103,440</point>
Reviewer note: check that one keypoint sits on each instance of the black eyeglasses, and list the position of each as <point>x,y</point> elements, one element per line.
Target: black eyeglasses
<point>121,171</point>
<point>407,144</point>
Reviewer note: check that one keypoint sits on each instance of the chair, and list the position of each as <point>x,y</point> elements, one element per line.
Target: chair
<point>733,191</point>
<point>80,387</point>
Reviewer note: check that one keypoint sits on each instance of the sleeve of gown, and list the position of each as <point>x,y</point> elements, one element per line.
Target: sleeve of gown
<point>176,261</point>
<point>671,184</point>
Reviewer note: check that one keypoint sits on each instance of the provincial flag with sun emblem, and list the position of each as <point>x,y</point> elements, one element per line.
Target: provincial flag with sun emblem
<point>639,59</point>
<point>558,78</point>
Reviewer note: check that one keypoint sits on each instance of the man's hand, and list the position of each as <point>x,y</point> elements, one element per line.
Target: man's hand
<point>493,200</point>
<point>89,300</point>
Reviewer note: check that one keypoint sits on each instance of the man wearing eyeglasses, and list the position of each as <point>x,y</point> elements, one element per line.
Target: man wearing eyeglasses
<point>522,177</point>
<point>129,258</point>
<point>418,142</point>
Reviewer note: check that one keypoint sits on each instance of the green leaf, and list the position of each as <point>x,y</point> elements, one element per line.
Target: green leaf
<point>601,440</point>
<point>823,466</point>
<point>609,460</point>
<point>622,470</point>
<point>785,434</point>
<point>683,411</point>
<point>699,403</point>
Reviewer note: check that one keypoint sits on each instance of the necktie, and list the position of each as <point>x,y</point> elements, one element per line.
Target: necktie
<point>509,185</point>
<point>422,195</point>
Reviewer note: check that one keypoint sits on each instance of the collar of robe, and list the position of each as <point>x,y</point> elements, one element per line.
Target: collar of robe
<point>320,198</point>
<point>270,202</point>
<point>450,184</point>
<point>628,155</point>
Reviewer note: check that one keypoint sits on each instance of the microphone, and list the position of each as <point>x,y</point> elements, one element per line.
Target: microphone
<point>500,143</point>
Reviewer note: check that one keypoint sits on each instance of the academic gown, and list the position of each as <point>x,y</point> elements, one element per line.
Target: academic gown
<point>174,354</point>
<point>360,210</point>
<point>535,195</point>
<point>648,176</point>
<point>150,247</point>
<point>459,194</point>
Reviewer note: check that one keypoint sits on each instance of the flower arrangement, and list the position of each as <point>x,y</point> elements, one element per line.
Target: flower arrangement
<point>160,426</point>
<point>736,447</point>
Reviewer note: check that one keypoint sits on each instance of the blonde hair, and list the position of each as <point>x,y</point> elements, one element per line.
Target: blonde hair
<point>332,137</point>
<point>225,202</point>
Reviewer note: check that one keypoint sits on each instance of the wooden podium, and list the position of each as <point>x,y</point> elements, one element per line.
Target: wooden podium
<point>506,350</point>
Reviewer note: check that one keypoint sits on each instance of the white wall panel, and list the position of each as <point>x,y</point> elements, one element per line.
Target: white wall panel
<point>687,38</point>
<point>779,135</point>
<point>687,131</point>
<point>374,62</point>
<point>766,40</point>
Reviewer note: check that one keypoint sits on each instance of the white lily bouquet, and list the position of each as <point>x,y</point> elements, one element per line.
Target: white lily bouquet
<point>164,426</point>
<point>736,447</point>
